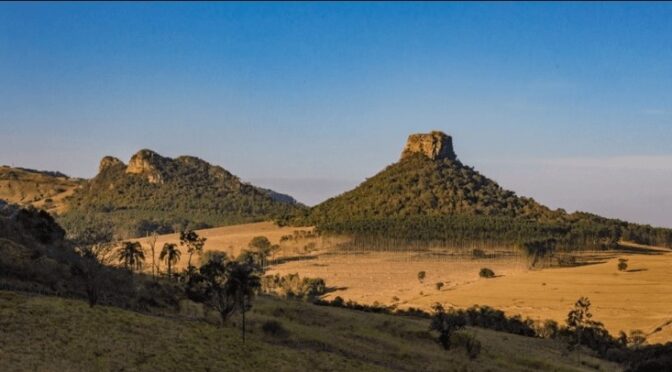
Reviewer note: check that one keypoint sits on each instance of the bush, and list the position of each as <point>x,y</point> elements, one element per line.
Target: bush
<point>446,323</point>
<point>622,264</point>
<point>439,285</point>
<point>469,342</point>
<point>421,276</point>
<point>478,253</point>
<point>275,329</point>
<point>292,285</point>
<point>549,329</point>
<point>486,273</point>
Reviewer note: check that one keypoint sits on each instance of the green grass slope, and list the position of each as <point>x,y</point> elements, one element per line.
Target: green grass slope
<point>55,334</point>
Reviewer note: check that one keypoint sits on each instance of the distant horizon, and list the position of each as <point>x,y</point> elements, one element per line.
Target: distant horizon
<point>330,187</point>
<point>567,103</point>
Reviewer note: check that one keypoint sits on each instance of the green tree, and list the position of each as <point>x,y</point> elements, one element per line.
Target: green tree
<point>243,282</point>
<point>193,243</point>
<point>96,250</point>
<point>210,286</point>
<point>263,248</point>
<point>131,255</point>
<point>171,255</point>
<point>446,323</point>
<point>578,319</point>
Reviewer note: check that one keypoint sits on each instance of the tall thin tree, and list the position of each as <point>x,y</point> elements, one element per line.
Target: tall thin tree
<point>151,240</point>
<point>171,255</point>
<point>193,243</point>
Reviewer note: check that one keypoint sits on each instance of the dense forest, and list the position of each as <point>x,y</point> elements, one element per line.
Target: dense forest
<point>442,200</point>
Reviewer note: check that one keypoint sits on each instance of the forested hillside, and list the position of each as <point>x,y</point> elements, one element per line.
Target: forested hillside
<point>155,193</point>
<point>434,198</point>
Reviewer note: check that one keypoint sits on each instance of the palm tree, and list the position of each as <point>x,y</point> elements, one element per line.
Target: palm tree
<point>243,282</point>
<point>132,255</point>
<point>171,255</point>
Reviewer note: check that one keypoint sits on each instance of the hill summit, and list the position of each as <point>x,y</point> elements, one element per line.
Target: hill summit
<point>428,180</point>
<point>429,195</point>
<point>434,145</point>
<point>157,193</point>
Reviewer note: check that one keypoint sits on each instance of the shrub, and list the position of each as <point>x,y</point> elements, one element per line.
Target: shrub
<point>292,285</point>
<point>549,329</point>
<point>567,261</point>
<point>622,264</point>
<point>446,323</point>
<point>421,276</point>
<point>486,273</point>
<point>478,253</point>
<point>439,285</point>
<point>275,329</point>
<point>469,342</point>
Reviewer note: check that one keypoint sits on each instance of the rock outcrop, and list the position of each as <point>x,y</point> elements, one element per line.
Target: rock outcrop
<point>148,163</point>
<point>109,162</point>
<point>435,145</point>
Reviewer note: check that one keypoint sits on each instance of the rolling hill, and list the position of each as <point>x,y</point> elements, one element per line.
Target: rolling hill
<point>41,189</point>
<point>151,193</point>
<point>73,336</point>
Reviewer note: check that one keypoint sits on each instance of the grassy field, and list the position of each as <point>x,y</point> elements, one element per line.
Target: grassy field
<point>37,189</point>
<point>638,298</point>
<point>54,334</point>
<point>233,239</point>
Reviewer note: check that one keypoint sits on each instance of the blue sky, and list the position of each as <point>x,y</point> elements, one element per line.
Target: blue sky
<point>568,103</point>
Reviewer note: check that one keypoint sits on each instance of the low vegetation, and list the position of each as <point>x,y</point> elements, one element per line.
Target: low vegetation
<point>486,273</point>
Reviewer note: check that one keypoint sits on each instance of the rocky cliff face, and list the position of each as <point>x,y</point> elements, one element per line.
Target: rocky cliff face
<point>435,145</point>
<point>109,162</point>
<point>148,163</point>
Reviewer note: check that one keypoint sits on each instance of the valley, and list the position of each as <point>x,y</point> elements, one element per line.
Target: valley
<point>634,299</point>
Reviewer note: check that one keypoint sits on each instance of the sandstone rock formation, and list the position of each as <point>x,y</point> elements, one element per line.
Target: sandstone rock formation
<point>148,163</point>
<point>108,162</point>
<point>435,145</point>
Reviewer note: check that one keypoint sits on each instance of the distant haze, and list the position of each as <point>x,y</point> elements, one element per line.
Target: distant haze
<point>570,104</point>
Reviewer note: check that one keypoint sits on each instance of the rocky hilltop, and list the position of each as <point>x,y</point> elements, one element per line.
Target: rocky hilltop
<point>434,145</point>
<point>429,195</point>
<point>157,193</point>
<point>149,164</point>
<point>428,180</point>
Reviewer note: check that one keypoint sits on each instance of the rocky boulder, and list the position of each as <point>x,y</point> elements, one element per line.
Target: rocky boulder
<point>109,162</point>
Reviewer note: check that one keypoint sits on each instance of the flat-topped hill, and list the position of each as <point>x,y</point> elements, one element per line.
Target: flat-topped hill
<point>430,195</point>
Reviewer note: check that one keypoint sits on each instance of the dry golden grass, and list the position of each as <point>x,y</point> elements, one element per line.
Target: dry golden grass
<point>639,298</point>
<point>233,239</point>
<point>36,189</point>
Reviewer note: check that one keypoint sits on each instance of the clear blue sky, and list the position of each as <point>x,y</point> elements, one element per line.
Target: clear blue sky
<point>568,103</point>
